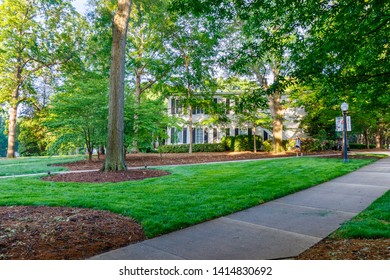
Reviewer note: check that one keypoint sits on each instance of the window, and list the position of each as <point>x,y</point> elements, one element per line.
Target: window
<point>176,107</point>
<point>184,135</point>
<point>265,137</point>
<point>173,106</point>
<point>197,111</point>
<point>179,136</point>
<point>173,138</point>
<point>199,136</point>
<point>227,106</point>
<point>176,136</point>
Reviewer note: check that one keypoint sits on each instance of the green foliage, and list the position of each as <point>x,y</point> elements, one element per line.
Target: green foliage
<point>35,36</point>
<point>241,143</point>
<point>286,145</point>
<point>78,114</point>
<point>190,195</point>
<point>357,146</point>
<point>267,146</point>
<point>315,145</point>
<point>152,119</point>
<point>33,138</point>
<point>373,222</point>
<point>196,148</point>
<point>3,138</point>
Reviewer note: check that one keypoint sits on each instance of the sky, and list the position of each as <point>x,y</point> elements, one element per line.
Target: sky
<point>80,5</point>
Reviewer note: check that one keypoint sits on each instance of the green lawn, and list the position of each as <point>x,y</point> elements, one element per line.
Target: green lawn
<point>374,222</point>
<point>191,194</point>
<point>33,165</point>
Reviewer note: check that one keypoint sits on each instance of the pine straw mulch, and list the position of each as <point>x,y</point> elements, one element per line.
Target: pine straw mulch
<point>55,233</point>
<point>51,233</point>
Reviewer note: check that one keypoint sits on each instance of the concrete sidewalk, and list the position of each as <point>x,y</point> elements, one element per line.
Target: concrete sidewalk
<point>279,229</point>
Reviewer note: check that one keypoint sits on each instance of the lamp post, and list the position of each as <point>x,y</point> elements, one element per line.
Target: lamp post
<point>344,108</point>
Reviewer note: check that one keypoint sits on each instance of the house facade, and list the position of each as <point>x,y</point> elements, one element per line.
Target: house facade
<point>204,130</point>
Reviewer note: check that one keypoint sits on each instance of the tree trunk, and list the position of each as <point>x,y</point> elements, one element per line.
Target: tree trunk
<point>275,107</point>
<point>367,137</point>
<point>88,143</point>
<point>277,121</point>
<point>12,131</point>
<point>13,111</point>
<point>190,128</point>
<point>254,139</point>
<point>115,141</point>
<point>190,125</point>
<point>137,94</point>
<point>378,135</point>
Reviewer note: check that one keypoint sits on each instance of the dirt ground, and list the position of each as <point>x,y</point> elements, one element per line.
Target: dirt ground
<point>51,233</point>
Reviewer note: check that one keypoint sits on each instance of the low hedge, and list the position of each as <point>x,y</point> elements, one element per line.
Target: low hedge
<point>196,148</point>
<point>357,146</point>
<point>241,143</point>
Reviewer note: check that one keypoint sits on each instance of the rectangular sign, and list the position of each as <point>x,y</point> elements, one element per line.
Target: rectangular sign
<point>340,124</point>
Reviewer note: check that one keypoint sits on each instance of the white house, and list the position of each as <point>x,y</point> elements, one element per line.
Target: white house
<point>206,132</point>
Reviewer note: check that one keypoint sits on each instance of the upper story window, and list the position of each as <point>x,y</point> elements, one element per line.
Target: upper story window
<point>228,107</point>
<point>197,110</point>
<point>176,106</point>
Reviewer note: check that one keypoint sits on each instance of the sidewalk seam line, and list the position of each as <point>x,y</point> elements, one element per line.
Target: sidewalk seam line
<point>272,228</point>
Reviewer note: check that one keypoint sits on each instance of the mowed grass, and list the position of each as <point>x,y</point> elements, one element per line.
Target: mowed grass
<point>34,165</point>
<point>373,222</point>
<point>190,195</point>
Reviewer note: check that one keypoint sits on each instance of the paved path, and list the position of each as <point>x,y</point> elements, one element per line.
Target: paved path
<point>279,229</point>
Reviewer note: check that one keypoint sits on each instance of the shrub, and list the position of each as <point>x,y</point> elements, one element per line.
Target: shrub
<point>228,142</point>
<point>315,145</point>
<point>267,146</point>
<point>196,148</point>
<point>241,143</point>
<point>358,146</point>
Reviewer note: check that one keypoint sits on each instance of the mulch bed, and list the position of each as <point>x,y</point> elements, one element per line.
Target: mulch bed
<point>348,249</point>
<point>104,177</point>
<point>54,233</point>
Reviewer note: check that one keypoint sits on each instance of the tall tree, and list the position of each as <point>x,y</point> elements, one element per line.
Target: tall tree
<point>115,141</point>
<point>251,109</point>
<point>344,53</point>
<point>35,34</point>
<point>195,44</point>
<point>260,46</point>
<point>3,139</point>
<point>149,61</point>
<point>68,120</point>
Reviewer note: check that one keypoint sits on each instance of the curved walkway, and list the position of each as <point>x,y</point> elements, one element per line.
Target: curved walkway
<point>279,229</point>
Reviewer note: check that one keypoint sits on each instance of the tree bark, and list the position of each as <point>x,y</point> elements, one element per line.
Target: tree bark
<point>190,124</point>
<point>254,139</point>
<point>378,135</point>
<point>277,121</point>
<point>115,159</point>
<point>12,131</point>
<point>275,107</point>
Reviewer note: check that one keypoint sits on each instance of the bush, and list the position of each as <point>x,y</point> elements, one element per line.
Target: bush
<point>228,142</point>
<point>357,146</point>
<point>196,148</point>
<point>267,146</point>
<point>315,145</point>
<point>241,143</point>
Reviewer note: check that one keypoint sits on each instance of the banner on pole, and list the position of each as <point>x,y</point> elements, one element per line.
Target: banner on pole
<point>340,124</point>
